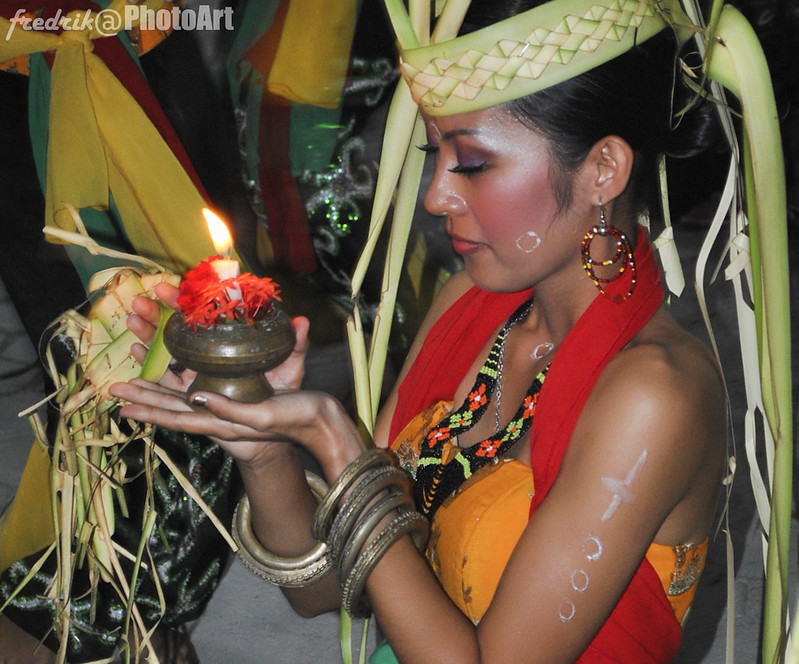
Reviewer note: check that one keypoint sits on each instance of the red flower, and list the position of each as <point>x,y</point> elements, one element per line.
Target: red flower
<point>437,434</point>
<point>205,300</point>
<point>488,448</point>
<point>477,397</point>
<point>256,294</point>
<point>529,405</point>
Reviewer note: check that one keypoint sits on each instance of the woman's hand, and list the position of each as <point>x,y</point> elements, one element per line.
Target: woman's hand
<point>289,374</point>
<point>147,312</point>
<point>248,432</point>
<point>232,428</point>
<point>143,322</point>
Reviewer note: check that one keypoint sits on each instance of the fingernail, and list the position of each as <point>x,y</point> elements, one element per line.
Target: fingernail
<point>176,367</point>
<point>199,400</point>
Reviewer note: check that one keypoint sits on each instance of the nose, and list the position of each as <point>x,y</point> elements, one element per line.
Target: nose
<point>441,199</point>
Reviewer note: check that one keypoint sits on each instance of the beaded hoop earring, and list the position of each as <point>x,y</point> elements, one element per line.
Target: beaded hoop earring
<point>623,257</point>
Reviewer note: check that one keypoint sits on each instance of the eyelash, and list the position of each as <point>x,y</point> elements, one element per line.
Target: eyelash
<point>467,171</point>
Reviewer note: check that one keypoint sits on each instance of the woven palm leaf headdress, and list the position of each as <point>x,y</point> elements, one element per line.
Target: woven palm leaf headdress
<point>531,51</point>
<point>445,74</point>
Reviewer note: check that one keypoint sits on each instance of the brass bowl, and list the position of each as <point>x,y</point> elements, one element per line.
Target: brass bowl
<point>231,358</point>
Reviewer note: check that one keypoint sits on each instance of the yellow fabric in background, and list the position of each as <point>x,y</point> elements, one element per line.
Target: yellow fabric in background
<point>313,55</point>
<point>102,141</point>
<point>27,524</point>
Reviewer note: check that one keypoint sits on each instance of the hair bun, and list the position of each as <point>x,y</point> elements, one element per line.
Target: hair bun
<point>696,128</point>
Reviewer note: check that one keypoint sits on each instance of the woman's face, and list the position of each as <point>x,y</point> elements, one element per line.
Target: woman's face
<point>493,184</point>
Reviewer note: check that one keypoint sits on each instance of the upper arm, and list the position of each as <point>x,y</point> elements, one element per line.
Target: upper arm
<point>642,443</point>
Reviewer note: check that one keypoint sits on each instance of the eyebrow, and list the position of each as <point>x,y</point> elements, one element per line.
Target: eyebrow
<point>459,132</point>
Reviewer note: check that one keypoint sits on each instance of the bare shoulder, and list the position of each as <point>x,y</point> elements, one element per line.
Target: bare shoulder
<point>668,378</point>
<point>666,368</point>
<point>662,398</point>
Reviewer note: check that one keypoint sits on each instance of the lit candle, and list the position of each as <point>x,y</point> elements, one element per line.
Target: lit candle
<point>225,267</point>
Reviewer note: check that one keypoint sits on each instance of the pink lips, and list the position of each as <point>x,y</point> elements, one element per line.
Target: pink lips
<point>464,247</point>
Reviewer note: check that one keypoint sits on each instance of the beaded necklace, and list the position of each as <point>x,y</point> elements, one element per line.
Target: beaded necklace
<point>439,473</point>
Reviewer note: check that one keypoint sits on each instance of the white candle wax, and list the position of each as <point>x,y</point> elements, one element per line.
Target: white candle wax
<point>226,268</point>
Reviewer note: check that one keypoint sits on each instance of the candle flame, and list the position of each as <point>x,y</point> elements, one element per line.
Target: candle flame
<point>220,235</point>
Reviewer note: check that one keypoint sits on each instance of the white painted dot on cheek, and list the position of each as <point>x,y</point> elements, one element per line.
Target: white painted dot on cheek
<point>592,548</point>
<point>528,242</point>
<point>566,610</point>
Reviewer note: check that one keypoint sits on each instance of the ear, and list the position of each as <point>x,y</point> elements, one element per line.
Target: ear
<point>610,164</point>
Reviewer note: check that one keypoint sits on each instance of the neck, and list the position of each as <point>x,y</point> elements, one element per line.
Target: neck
<point>559,303</point>
<point>565,295</point>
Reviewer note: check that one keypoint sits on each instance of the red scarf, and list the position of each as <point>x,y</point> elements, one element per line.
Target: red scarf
<point>642,627</point>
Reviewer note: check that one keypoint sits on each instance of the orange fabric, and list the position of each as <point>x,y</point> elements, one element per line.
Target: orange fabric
<point>678,569</point>
<point>471,538</point>
<point>19,65</point>
<point>473,535</point>
<point>146,40</point>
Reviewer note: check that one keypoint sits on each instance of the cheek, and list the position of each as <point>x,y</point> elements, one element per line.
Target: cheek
<point>521,207</point>
<point>528,242</point>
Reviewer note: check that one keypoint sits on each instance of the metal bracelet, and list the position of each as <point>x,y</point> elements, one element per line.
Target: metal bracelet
<point>320,528</point>
<point>371,484</point>
<point>285,571</point>
<point>391,501</point>
<point>352,594</point>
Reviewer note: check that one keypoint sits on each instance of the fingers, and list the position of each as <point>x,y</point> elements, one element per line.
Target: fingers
<point>301,326</point>
<point>313,420</point>
<point>288,376</point>
<point>147,312</point>
<point>293,416</point>
<point>149,402</point>
<point>139,352</point>
<point>144,320</point>
<point>147,393</point>
<point>178,378</point>
<point>255,417</point>
<point>281,417</point>
<point>147,309</point>
<point>168,294</point>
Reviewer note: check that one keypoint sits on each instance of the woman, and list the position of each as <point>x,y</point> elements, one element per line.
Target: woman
<point>584,378</point>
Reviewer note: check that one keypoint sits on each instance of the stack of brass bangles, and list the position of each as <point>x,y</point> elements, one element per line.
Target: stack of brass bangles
<point>345,529</point>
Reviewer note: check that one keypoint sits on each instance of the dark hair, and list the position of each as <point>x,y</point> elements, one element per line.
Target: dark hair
<point>632,96</point>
